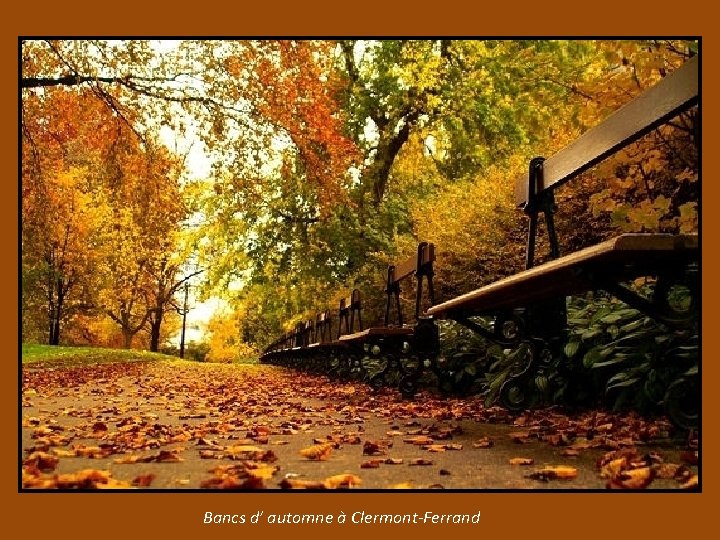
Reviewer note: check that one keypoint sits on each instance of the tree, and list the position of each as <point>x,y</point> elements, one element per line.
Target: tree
<point>226,343</point>
<point>148,211</point>
<point>59,179</point>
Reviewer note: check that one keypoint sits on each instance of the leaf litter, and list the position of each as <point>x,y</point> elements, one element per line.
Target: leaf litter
<point>145,417</point>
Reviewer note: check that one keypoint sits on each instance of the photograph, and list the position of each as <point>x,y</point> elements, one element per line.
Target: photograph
<point>359,264</point>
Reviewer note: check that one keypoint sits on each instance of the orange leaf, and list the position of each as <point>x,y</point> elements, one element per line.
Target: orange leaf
<point>557,472</point>
<point>144,480</point>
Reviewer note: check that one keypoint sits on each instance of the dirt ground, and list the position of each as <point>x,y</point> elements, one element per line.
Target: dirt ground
<point>182,425</point>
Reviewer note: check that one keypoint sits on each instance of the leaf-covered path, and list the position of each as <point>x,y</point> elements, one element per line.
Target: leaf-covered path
<point>180,425</point>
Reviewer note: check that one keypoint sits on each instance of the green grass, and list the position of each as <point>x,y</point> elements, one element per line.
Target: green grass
<point>51,355</point>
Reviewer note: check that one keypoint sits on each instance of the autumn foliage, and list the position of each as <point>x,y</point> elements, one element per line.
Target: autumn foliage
<point>327,161</point>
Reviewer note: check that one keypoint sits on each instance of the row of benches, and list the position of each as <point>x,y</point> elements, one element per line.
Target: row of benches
<point>530,305</point>
<point>337,345</point>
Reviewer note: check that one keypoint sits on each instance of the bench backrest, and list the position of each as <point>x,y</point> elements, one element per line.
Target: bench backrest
<point>348,313</point>
<point>674,94</point>
<point>323,327</point>
<point>419,265</point>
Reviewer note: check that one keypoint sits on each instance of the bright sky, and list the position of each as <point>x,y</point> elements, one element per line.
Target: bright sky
<point>198,168</point>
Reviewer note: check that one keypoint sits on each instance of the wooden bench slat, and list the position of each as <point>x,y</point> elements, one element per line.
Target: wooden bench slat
<point>379,331</point>
<point>405,268</point>
<point>675,93</point>
<point>625,257</point>
<point>428,254</point>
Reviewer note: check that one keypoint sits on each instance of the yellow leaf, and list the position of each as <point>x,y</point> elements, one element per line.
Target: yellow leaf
<point>261,471</point>
<point>342,481</point>
<point>613,468</point>
<point>59,452</point>
<point>420,440</point>
<point>632,479</point>
<point>554,472</point>
<point>317,451</point>
<point>692,483</point>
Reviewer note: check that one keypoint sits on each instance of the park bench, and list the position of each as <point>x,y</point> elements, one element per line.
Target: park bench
<point>300,347</point>
<point>390,347</point>
<point>312,347</point>
<point>531,304</point>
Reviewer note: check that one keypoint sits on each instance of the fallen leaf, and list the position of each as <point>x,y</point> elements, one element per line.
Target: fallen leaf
<point>557,439</point>
<point>614,467</point>
<point>485,442</point>
<point>317,452</point>
<point>342,481</point>
<point>112,483</point>
<point>419,440</point>
<point>59,452</point>
<point>166,456</point>
<point>232,483</point>
<point>261,471</point>
<point>99,426</point>
<point>42,460</point>
<point>520,437</point>
<point>556,472</point>
<point>669,471</point>
<point>144,480</point>
<point>90,451</point>
<point>295,483</point>
<point>632,479</point>
<point>521,461</point>
<point>84,479</point>
<point>372,448</point>
<point>692,483</point>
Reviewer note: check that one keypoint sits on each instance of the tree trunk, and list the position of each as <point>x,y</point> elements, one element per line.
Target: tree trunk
<point>55,332</point>
<point>155,333</point>
<point>127,339</point>
<point>51,328</point>
<point>55,314</point>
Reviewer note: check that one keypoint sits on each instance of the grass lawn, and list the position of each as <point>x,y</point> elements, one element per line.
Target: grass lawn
<point>52,354</point>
